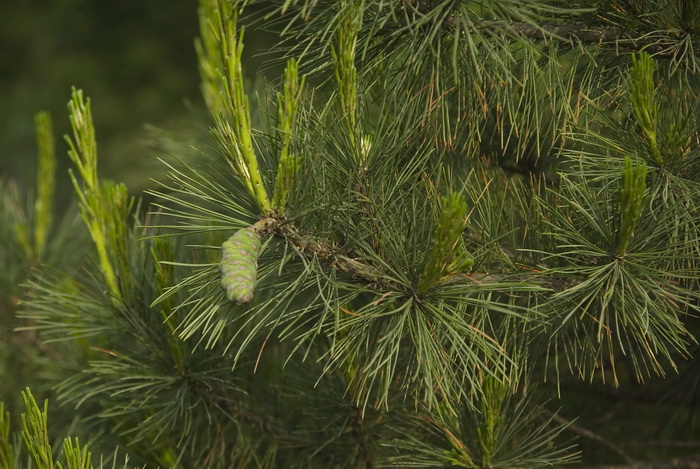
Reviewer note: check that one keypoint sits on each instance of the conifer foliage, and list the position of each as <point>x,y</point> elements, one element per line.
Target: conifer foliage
<point>441,214</point>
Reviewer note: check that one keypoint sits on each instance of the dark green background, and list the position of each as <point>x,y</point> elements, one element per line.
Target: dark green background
<point>135,59</point>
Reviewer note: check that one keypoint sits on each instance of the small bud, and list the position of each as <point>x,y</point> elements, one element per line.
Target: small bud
<point>365,147</point>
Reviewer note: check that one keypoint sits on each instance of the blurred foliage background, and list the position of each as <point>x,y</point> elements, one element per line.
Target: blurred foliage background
<point>135,59</point>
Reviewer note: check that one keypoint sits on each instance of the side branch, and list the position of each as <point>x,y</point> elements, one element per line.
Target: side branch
<point>325,252</point>
<point>690,462</point>
<point>603,35</point>
<point>586,433</point>
<point>345,262</point>
<point>584,34</point>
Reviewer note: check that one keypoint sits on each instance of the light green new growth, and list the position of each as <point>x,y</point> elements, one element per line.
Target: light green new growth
<point>46,181</point>
<point>343,53</point>
<point>33,244</point>
<point>36,440</point>
<point>287,106</point>
<point>234,136</point>
<point>162,255</point>
<point>445,242</point>
<point>209,58</point>
<point>642,89</point>
<point>632,190</point>
<point>35,432</point>
<point>104,207</point>
<point>239,265</point>
<point>495,392</point>
<point>7,452</point>
<point>20,227</point>
<point>76,457</point>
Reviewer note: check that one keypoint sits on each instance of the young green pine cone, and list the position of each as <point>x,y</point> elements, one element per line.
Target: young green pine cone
<point>239,265</point>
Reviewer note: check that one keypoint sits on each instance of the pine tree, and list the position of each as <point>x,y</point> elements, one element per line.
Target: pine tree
<point>445,232</point>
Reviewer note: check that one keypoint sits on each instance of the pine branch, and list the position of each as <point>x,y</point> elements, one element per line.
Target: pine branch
<point>691,462</point>
<point>325,252</point>
<point>104,205</point>
<point>233,129</point>
<point>415,321</point>
<point>591,435</point>
<point>669,444</point>
<point>584,34</point>
<point>287,109</point>
<point>580,33</point>
<point>346,262</point>
<point>361,439</point>
<point>262,422</point>
<point>35,431</point>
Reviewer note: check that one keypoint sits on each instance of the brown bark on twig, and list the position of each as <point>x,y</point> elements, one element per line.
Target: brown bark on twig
<point>669,444</point>
<point>691,462</point>
<point>345,262</point>
<point>591,435</point>
<point>580,33</point>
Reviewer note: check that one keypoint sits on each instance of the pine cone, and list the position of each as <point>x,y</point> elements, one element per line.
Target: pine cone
<point>239,265</point>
